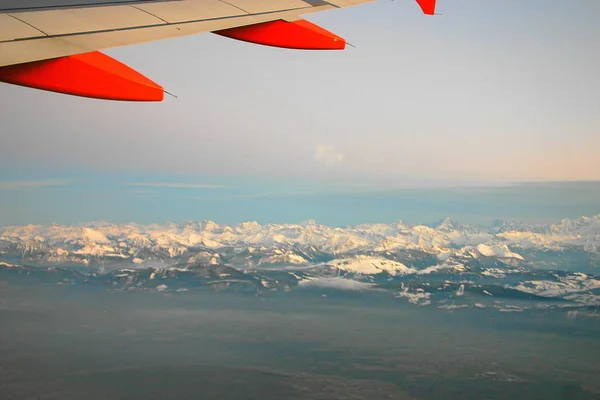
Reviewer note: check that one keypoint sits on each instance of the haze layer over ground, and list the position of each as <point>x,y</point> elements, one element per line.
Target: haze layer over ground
<point>65,344</point>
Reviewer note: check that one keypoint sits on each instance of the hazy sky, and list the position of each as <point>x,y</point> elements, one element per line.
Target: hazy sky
<point>488,91</point>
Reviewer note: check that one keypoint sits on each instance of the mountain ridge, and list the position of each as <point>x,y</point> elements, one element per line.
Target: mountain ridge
<point>293,244</point>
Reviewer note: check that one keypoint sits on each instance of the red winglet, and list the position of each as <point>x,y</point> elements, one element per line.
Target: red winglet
<point>92,74</point>
<point>428,6</point>
<point>299,34</point>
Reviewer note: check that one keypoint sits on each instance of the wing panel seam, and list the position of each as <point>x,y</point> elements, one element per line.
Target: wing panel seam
<point>233,5</point>
<point>149,13</point>
<point>76,6</point>
<point>26,23</point>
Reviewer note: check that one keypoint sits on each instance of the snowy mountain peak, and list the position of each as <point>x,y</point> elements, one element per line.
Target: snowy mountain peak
<point>447,225</point>
<point>93,236</point>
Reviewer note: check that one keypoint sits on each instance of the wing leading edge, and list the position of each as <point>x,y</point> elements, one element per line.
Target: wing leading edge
<point>57,49</point>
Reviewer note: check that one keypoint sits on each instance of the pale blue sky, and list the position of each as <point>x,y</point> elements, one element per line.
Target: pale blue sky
<point>489,91</point>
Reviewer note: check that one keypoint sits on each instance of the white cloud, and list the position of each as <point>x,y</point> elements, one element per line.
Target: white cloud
<point>18,185</point>
<point>328,155</point>
<point>175,185</point>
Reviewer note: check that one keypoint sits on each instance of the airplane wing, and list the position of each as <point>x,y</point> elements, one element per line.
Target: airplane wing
<point>56,48</point>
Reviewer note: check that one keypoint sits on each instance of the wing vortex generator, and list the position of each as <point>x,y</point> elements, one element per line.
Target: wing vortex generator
<point>96,75</point>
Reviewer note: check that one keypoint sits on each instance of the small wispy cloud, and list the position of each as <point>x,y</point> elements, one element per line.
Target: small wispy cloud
<point>175,185</point>
<point>20,185</point>
<point>328,156</point>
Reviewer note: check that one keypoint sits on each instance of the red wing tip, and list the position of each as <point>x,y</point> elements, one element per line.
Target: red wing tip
<point>428,6</point>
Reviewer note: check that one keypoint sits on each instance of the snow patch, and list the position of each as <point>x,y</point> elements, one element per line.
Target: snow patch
<point>417,296</point>
<point>497,250</point>
<point>371,265</point>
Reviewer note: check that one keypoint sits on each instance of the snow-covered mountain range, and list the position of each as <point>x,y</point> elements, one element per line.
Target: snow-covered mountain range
<point>417,263</point>
<point>294,244</point>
